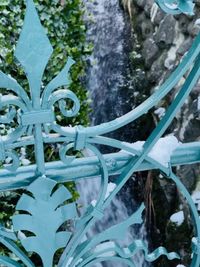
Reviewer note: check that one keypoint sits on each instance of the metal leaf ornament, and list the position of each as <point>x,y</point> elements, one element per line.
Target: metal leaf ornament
<point>104,246</point>
<point>45,213</point>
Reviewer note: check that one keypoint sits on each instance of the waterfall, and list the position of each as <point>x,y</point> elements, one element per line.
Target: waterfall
<point>107,75</point>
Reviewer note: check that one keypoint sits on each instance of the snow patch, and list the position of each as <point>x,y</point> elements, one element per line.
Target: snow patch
<point>198,103</point>
<point>197,22</point>
<point>21,235</point>
<point>25,162</point>
<point>161,151</point>
<point>160,112</point>
<point>69,261</point>
<point>104,246</point>
<point>196,199</point>
<point>154,10</point>
<point>111,187</point>
<point>171,55</point>
<point>8,160</point>
<point>177,218</point>
<point>93,202</point>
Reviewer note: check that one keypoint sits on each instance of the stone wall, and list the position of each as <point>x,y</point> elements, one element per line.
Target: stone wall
<point>162,41</point>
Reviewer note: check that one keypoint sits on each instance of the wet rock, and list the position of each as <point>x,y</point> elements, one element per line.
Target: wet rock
<point>141,3</point>
<point>185,46</point>
<point>194,29</point>
<point>150,51</point>
<point>192,131</point>
<point>195,92</point>
<point>159,16</point>
<point>141,18</point>
<point>183,23</point>
<point>197,2</point>
<point>157,68</point>
<point>166,32</point>
<point>147,29</point>
<point>171,38</point>
<point>188,175</point>
<point>148,6</point>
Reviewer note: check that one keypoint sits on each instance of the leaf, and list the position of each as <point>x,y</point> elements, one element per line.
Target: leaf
<point>5,2</point>
<point>45,216</point>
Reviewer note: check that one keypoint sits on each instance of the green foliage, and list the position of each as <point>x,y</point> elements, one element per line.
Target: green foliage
<point>63,22</point>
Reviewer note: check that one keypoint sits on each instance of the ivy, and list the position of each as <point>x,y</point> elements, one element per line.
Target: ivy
<point>63,22</point>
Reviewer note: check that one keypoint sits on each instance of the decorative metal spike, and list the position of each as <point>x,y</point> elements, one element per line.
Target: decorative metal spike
<point>33,50</point>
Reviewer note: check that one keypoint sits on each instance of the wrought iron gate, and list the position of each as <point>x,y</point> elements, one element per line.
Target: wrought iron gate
<point>45,207</point>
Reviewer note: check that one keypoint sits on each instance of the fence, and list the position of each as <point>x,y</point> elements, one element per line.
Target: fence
<point>44,206</point>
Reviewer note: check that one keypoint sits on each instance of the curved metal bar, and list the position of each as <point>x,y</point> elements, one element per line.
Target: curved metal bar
<point>143,108</point>
<point>63,151</point>
<point>93,213</point>
<point>115,232</point>
<point>185,193</point>
<point>104,176</point>
<point>104,171</point>
<point>15,161</point>
<point>62,79</point>
<point>196,259</point>
<point>24,141</point>
<point>11,84</point>
<point>15,249</point>
<point>177,6</point>
<point>126,147</point>
<point>60,95</point>
<point>97,257</point>
<point>132,249</point>
<point>132,165</point>
<point>15,135</point>
<point>109,258</point>
<point>6,101</point>
<point>84,225</point>
<point>7,262</point>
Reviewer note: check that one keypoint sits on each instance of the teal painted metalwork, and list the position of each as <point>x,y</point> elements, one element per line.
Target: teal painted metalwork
<point>177,6</point>
<point>44,207</point>
<point>47,206</point>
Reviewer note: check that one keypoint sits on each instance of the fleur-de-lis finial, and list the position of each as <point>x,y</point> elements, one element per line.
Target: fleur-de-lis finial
<point>33,50</point>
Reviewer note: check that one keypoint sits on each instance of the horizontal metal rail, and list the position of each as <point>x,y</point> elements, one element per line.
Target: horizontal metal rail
<point>89,167</point>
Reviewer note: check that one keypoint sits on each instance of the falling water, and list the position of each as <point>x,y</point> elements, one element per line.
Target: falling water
<point>107,76</point>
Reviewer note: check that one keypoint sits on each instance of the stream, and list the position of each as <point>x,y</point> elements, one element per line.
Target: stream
<point>108,77</point>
